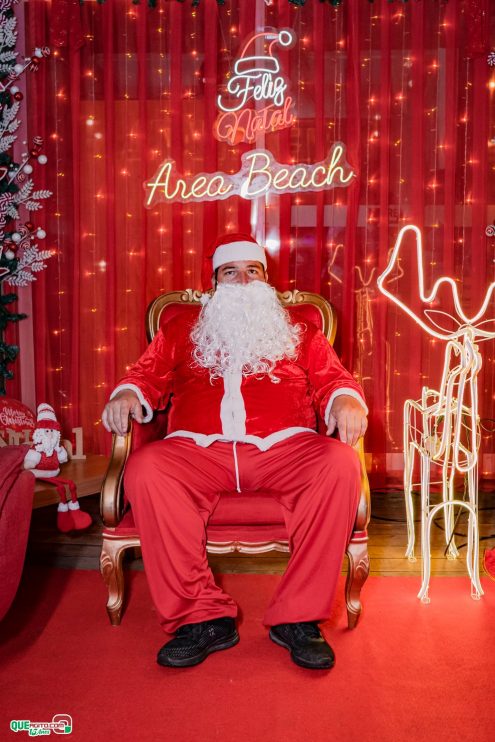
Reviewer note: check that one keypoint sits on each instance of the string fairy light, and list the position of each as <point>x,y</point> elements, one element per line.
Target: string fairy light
<point>58,102</point>
<point>160,226</point>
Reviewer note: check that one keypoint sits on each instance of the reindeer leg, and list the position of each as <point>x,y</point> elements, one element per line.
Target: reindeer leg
<point>452,552</point>
<point>425,531</point>
<point>473,562</point>
<point>408,474</point>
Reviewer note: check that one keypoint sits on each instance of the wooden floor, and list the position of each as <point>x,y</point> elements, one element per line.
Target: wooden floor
<point>388,537</point>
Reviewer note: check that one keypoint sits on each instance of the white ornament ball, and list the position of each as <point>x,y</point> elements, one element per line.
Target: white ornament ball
<point>16,237</point>
<point>38,53</point>
<point>41,234</point>
<point>14,89</point>
<point>42,159</point>
<point>18,68</point>
<point>28,169</point>
<point>90,122</point>
<point>9,254</point>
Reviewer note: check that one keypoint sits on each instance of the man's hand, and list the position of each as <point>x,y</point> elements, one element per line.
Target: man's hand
<point>348,415</point>
<point>115,416</point>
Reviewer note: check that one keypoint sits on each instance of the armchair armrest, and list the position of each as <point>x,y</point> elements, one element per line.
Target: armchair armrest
<point>364,505</point>
<point>111,497</point>
<point>357,548</point>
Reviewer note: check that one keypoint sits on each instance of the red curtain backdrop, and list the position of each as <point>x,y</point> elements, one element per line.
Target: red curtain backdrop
<point>406,86</point>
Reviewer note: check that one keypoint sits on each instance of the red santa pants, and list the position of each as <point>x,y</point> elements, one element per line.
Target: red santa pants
<point>174,485</point>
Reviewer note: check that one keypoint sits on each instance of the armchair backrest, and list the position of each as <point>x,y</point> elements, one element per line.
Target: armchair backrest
<point>313,307</point>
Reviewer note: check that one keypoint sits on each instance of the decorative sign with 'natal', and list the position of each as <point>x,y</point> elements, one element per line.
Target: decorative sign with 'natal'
<point>256,79</point>
<point>255,101</point>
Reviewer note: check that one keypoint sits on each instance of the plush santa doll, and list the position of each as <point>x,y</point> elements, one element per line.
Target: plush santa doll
<point>44,461</point>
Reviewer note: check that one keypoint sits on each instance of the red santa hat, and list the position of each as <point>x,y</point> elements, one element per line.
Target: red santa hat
<point>231,247</point>
<point>46,418</point>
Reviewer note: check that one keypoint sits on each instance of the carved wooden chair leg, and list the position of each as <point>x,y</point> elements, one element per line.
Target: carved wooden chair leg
<point>359,568</point>
<point>112,552</point>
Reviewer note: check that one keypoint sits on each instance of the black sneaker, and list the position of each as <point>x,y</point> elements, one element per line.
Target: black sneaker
<point>193,642</point>
<point>306,645</point>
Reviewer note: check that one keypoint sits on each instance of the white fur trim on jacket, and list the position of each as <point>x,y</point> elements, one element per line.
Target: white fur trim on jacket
<point>203,440</point>
<point>232,408</point>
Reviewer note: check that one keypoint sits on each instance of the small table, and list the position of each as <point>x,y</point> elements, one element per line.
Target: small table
<point>87,474</point>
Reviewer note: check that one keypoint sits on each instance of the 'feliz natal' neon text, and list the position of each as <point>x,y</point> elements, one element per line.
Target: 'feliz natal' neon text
<point>257,76</point>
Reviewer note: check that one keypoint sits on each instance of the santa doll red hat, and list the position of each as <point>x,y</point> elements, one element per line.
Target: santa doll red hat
<point>230,247</point>
<point>44,461</point>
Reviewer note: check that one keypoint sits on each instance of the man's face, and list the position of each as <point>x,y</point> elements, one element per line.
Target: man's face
<point>241,271</point>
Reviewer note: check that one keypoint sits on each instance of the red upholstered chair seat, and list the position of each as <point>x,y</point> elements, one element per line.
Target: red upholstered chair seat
<point>246,522</point>
<point>247,508</point>
<point>255,516</point>
<point>228,523</point>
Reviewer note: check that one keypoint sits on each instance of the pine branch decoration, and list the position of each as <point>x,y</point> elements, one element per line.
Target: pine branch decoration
<point>20,258</point>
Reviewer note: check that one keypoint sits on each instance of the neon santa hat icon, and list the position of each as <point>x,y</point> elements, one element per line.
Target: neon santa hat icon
<point>256,72</point>
<point>252,64</point>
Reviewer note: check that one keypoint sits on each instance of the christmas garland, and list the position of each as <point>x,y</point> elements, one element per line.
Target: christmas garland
<point>297,3</point>
<point>20,257</point>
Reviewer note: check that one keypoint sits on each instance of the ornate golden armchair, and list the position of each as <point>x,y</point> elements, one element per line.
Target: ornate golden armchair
<point>235,525</point>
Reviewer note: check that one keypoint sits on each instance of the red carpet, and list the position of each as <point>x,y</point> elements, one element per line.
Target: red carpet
<point>408,672</point>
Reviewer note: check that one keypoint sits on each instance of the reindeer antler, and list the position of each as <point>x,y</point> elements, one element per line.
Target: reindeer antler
<point>428,298</point>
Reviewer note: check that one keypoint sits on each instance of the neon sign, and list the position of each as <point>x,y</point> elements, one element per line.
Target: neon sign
<point>256,77</point>
<point>432,296</point>
<point>259,175</point>
<point>443,426</point>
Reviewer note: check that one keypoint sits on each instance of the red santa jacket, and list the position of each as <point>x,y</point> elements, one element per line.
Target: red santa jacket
<point>251,409</point>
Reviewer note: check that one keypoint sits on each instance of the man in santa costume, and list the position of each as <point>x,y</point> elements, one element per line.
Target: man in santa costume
<point>245,384</point>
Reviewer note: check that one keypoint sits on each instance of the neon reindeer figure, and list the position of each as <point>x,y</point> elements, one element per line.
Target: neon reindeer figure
<point>443,426</point>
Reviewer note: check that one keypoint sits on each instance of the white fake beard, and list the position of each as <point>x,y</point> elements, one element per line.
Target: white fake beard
<point>244,328</point>
<point>46,441</point>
